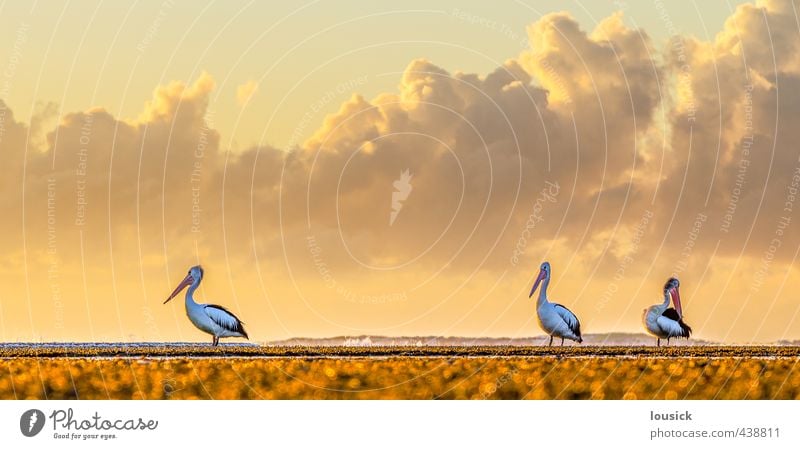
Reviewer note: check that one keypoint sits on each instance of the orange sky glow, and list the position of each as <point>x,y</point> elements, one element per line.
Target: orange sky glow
<point>408,183</point>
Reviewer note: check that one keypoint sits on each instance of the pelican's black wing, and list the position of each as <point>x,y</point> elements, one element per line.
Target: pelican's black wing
<point>672,314</point>
<point>225,318</point>
<point>570,319</point>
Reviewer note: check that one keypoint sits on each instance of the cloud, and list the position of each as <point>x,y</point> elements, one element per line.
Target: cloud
<point>168,99</point>
<point>245,92</point>
<point>733,146</point>
<point>619,159</point>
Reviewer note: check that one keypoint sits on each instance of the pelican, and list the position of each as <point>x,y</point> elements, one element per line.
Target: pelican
<point>555,319</point>
<point>663,321</point>
<point>209,318</point>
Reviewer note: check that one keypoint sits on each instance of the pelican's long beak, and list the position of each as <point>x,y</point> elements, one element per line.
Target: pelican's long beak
<point>538,280</point>
<point>184,283</point>
<point>676,299</point>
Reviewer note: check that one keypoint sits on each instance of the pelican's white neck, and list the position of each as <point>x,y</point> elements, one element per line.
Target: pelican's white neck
<point>190,291</point>
<point>667,298</point>
<point>543,291</point>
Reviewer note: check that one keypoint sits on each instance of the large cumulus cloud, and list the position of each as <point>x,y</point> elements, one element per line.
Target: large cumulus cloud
<point>621,159</point>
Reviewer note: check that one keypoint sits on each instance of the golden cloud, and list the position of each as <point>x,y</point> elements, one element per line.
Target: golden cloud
<point>245,92</point>
<point>620,160</point>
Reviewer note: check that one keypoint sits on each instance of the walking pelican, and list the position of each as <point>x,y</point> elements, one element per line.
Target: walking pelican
<point>663,321</point>
<point>555,319</point>
<point>209,318</point>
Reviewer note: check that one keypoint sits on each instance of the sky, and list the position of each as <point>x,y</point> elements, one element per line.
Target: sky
<point>341,168</point>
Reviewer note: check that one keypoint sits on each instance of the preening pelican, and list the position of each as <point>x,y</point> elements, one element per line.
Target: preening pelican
<point>555,319</point>
<point>663,321</point>
<point>210,318</point>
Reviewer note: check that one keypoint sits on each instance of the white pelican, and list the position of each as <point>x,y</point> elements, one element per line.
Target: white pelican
<point>663,321</point>
<point>555,319</point>
<point>210,318</point>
